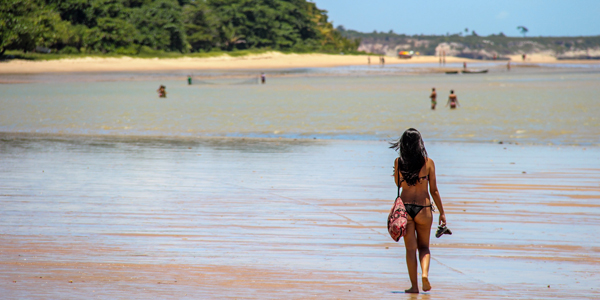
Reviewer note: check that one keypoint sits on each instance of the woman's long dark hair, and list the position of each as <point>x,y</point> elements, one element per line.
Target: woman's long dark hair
<point>412,155</point>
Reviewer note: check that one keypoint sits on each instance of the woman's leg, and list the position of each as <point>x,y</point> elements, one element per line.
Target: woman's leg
<point>422,223</point>
<point>410,242</point>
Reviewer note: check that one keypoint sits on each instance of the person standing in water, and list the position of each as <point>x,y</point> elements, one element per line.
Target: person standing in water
<point>414,173</point>
<point>162,91</point>
<point>433,97</point>
<point>189,79</point>
<point>263,78</point>
<point>508,66</point>
<point>444,57</point>
<point>452,100</point>
<point>465,65</point>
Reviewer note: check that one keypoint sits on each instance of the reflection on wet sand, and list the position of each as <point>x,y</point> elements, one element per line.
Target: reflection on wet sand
<point>113,217</point>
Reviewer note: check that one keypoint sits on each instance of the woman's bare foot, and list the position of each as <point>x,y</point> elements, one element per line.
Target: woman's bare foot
<point>426,285</point>
<point>412,290</point>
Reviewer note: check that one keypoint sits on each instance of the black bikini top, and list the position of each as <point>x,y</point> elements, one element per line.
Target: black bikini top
<point>426,177</point>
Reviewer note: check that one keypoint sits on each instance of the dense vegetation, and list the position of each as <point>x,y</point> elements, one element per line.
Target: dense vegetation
<point>151,26</point>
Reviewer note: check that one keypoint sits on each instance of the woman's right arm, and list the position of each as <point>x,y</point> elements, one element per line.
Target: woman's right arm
<point>435,194</point>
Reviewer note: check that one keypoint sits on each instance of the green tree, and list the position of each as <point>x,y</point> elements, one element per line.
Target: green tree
<point>25,25</point>
<point>275,24</point>
<point>331,40</point>
<point>523,30</point>
<point>77,12</point>
<point>167,25</point>
<point>200,26</point>
<point>109,35</point>
<point>160,25</point>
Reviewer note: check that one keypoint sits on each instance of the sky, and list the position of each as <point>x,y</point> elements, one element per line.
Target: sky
<point>541,17</point>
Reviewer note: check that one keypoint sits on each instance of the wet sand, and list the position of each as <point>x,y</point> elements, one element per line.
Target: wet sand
<point>266,61</point>
<point>185,218</point>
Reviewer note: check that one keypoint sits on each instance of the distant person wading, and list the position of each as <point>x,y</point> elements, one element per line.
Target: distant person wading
<point>162,91</point>
<point>416,178</point>
<point>433,97</point>
<point>452,100</point>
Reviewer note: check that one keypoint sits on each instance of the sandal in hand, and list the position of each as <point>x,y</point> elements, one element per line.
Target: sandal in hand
<point>442,229</point>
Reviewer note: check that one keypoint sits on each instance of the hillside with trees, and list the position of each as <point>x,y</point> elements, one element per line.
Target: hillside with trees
<point>471,45</point>
<point>130,27</point>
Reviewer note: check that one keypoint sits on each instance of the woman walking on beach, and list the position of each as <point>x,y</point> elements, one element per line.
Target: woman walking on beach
<point>416,174</point>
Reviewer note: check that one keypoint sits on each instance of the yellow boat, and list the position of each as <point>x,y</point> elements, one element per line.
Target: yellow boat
<point>405,54</point>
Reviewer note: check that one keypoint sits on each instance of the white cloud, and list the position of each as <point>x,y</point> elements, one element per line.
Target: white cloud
<point>502,15</point>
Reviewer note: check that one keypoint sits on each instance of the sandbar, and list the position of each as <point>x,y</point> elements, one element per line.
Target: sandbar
<point>265,61</point>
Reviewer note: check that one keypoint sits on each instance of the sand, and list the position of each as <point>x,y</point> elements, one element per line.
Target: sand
<point>127,218</point>
<point>270,60</point>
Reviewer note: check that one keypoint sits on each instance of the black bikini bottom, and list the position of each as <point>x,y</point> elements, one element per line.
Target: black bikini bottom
<point>414,209</point>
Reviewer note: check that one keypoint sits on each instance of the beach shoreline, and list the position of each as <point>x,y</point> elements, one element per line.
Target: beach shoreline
<point>264,61</point>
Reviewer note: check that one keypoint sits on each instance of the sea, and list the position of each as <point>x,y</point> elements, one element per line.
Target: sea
<point>533,105</point>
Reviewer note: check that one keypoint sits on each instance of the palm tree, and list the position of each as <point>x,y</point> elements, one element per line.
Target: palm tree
<point>523,30</point>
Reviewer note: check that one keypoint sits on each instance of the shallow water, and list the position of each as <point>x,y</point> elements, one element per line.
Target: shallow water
<point>538,105</point>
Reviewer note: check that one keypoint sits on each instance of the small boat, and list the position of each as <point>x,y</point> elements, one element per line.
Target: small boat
<point>451,72</point>
<point>475,72</point>
<point>405,54</point>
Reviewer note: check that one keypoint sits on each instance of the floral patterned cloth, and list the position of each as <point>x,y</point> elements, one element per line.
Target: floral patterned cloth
<point>397,220</point>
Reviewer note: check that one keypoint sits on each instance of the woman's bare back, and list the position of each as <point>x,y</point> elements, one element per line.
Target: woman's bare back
<point>419,194</point>
<point>416,194</point>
